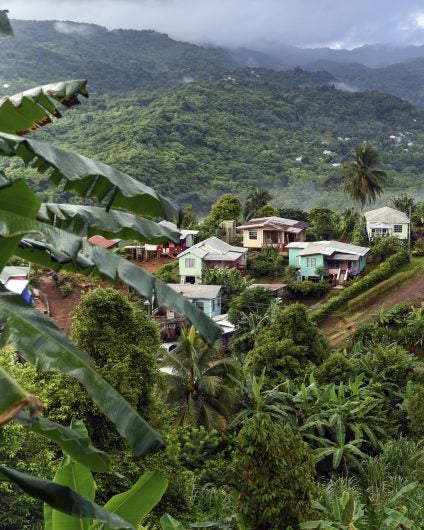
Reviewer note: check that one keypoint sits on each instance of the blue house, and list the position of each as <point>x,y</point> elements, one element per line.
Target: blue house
<point>207,298</point>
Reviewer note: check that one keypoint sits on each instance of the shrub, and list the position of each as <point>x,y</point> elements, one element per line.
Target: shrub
<point>169,273</point>
<point>335,369</point>
<point>418,248</point>
<point>308,288</point>
<point>384,247</point>
<point>287,346</point>
<point>266,263</point>
<point>65,289</point>
<point>273,471</point>
<point>414,404</point>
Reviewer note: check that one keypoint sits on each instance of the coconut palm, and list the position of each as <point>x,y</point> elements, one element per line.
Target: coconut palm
<point>363,180</point>
<point>198,387</point>
<point>254,201</point>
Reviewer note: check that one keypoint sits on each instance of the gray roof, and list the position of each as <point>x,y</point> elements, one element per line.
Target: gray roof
<point>275,223</point>
<point>13,270</point>
<point>386,215</point>
<point>196,291</point>
<point>345,257</point>
<point>328,248</point>
<point>214,249</point>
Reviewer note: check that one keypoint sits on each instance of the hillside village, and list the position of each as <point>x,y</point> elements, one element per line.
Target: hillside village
<point>255,366</point>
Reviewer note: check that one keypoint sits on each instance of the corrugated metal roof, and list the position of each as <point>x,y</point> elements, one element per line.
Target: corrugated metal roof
<point>386,215</point>
<point>327,248</point>
<point>13,270</point>
<point>274,223</point>
<point>220,250</point>
<point>196,291</point>
<point>345,257</point>
<point>103,242</point>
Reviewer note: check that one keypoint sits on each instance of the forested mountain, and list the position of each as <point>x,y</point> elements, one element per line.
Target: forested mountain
<point>405,80</point>
<point>113,60</point>
<point>203,139</point>
<point>193,123</point>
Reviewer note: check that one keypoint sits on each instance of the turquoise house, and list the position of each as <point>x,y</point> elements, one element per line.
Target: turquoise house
<point>330,259</point>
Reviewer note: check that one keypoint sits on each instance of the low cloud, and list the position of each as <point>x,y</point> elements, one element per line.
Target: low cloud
<point>258,24</point>
<point>69,28</point>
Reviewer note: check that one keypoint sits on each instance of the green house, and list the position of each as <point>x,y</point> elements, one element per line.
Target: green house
<point>210,253</point>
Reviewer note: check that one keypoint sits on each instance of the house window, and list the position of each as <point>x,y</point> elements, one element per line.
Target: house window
<point>253,234</point>
<point>311,262</point>
<point>213,305</point>
<point>190,263</point>
<point>200,305</point>
<point>397,229</point>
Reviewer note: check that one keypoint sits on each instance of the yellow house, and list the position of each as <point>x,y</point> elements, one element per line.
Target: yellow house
<point>272,231</point>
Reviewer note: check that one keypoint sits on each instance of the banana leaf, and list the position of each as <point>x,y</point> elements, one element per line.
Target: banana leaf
<point>167,522</point>
<point>13,398</point>
<point>72,442</point>
<point>62,498</point>
<point>89,178</point>
<point>133,505</point>
<point>5,27</point>
<point>34,108</point>
<point>92,220</point>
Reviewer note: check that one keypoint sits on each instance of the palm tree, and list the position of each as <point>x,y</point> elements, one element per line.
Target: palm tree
<point>255,200</point>
<point>363,179</point>
<point>198,388</point>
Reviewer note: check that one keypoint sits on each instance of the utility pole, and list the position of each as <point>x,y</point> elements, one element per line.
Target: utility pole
<point>409,232</point>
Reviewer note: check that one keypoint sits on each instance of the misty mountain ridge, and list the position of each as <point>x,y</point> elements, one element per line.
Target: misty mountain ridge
<point>370,55</point>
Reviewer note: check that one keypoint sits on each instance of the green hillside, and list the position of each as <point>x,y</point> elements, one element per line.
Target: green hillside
<point>115,60</point>
<point>201,140</point>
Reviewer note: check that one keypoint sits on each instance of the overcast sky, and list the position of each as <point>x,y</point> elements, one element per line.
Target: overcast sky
<point>312,23</point>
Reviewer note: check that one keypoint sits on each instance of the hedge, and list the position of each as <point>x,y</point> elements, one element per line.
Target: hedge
<point>360,285</point>
<point>307,288</point>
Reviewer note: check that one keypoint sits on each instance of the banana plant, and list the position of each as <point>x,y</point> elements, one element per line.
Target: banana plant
<point>128,508</point>
<point>345,513</point>
<point>64,246</point>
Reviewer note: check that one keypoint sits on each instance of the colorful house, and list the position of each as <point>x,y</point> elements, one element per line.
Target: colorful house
<point>186,238</point>
<point>332,259</point>
<point>385,222</point>
<point>210,253</point>
<point>272,231</point>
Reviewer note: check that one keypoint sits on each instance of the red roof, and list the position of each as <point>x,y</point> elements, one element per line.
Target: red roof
<point>103,242</point>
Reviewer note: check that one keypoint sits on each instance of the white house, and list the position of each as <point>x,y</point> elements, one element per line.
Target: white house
<point>386,221</point>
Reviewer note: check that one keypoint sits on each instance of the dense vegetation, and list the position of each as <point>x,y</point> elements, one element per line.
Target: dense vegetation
<point>279,431</point>
<point>201,140</point>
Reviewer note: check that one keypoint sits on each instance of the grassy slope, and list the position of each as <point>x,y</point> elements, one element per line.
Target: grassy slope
<point>407,285</point>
